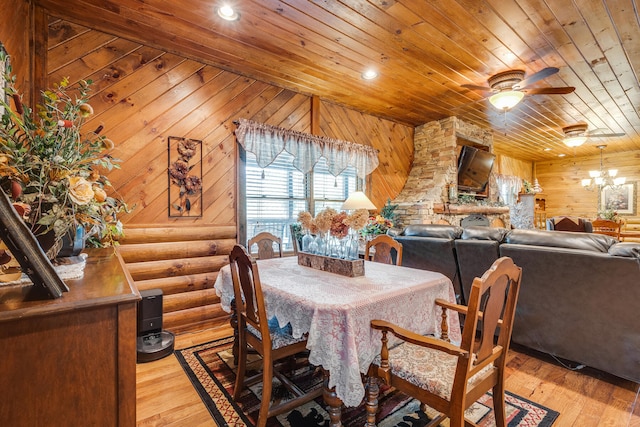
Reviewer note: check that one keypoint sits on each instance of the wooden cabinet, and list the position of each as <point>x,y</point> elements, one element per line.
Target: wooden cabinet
<point>71,361</point>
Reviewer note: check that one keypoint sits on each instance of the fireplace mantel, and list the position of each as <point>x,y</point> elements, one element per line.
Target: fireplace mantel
<point>455,209</point>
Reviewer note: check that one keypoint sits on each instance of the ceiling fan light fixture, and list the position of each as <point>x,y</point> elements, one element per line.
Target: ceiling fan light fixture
<point>506,100</point>
<point>575,141</point>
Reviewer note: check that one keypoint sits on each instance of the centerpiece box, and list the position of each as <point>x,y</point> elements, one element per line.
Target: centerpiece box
<point>344,267</point>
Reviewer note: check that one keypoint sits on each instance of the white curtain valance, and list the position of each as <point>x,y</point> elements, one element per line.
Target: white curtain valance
<point>266,142</point>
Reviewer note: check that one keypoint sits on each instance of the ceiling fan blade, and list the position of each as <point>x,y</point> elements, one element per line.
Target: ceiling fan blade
<point>603,135</point>
<point>550,90</point>
<point>475,87</point>
<point>542,74</point>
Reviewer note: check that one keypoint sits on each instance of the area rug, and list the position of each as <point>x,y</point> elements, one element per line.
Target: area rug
<point>210,368</point>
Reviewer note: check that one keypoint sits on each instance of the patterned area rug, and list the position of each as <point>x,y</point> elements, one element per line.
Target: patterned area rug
<point>210,368</point>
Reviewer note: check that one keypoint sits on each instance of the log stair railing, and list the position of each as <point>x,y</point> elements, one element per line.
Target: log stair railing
<point>183,262</point>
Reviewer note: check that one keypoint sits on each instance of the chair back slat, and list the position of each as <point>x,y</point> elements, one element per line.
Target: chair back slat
<point>607,227</point>
<point>383,245</point>
<point>265,243</point>
<point>249,299</point>
<point>491,309</point>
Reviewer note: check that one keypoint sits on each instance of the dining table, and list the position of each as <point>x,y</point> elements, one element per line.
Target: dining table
<point>335,312</point>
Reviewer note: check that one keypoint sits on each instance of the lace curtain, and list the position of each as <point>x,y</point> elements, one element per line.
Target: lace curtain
<point>266,142</point>
<point>508,188</point>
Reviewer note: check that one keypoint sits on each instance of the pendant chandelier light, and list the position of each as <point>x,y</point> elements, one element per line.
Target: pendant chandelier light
<point>602,178</point>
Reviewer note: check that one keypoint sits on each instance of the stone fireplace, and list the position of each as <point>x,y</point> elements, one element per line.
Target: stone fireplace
<point>424,198</point>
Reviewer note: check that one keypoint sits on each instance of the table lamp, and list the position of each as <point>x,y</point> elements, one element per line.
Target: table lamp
<point>357,200</point>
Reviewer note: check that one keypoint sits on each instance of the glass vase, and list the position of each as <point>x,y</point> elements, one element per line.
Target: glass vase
<point>321,244</point>
<point>334,247</point>
<point>353,246</point>
<point>307,239</point>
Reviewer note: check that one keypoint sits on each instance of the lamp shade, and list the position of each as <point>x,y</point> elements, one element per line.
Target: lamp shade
<point>506,99</point>
<point>357,200</point>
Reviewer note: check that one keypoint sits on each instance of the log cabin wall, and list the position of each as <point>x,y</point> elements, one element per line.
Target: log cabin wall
<point>142,95</point>
<point>561,184</point>
<point>15,35</point>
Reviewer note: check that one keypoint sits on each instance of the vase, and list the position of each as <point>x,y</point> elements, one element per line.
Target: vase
<point>307,240</point>
<point>72,242</point>
<point>353,246</point>
<point>334,247</point>
<point>320,244</point>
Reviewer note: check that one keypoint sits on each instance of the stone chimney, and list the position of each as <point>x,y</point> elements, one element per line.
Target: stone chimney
<point>435,166</point>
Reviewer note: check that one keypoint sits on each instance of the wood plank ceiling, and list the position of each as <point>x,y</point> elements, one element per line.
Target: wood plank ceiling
<point>423,51</point>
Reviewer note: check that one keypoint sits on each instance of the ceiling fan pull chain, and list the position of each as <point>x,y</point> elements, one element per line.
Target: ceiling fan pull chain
<point>505,122</point>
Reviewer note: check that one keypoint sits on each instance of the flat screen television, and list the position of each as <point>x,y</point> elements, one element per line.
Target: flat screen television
<point>474,167</point>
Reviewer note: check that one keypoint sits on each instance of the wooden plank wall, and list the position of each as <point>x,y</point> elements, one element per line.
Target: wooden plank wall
<point>15,35</point>
<point>143,95</point>
<point>509,166</point>
<point>562,189</point>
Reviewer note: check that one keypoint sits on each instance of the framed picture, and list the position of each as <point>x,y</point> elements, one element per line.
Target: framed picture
<point>185,177</point>
<point>621,199</point>
<point>25,249</point>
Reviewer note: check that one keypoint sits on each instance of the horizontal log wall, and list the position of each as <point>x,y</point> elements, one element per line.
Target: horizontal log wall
<point>183,262</point>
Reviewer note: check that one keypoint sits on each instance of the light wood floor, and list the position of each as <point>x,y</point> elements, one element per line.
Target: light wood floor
<point>584,398</point>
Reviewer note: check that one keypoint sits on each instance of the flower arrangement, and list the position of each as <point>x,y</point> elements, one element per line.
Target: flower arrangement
<point>53,171</point>
<point>377,224</point>
<point>331,228</point>
<point>609,214</point>
<point>335,223</point>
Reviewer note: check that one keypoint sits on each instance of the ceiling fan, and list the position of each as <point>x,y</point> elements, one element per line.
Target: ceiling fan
<point>509,87</point>
<point>576,135</point>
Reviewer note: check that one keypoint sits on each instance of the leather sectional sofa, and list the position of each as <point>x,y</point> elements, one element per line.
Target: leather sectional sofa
<point>580,292</point>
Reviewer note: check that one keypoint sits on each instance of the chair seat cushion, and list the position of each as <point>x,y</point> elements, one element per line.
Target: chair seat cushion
<point>280,337</point>
<point>429,369</point>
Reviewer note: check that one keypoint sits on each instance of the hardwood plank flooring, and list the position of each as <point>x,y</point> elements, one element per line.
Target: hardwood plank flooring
<point>584,397</point>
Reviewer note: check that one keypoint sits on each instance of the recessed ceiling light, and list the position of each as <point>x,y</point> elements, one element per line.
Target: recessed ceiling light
<point>561,155</point>
<point>227,13</point>
<point>547,149</point>
<point>370,74</point>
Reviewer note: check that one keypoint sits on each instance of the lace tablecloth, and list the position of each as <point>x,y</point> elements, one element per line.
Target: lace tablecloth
<point>336,311</point>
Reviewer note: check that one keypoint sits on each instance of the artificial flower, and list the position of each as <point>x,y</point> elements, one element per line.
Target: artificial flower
<point>58,168</point>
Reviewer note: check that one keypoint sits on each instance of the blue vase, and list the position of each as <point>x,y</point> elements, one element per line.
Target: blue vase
<point>72,242</point>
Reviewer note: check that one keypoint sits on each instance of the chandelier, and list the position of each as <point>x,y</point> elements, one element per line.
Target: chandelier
<point>602,178</point>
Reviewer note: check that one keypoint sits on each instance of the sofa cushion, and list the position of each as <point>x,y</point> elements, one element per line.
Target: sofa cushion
<point>562,239</point>
<point>441,231</point>
<point>484,233</point>
<point>626,249</point>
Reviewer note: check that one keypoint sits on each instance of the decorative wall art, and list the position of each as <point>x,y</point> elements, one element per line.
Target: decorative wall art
<point>620,198</point>
<point>185,177</point>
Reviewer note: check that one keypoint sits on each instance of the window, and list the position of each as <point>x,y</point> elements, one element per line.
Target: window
<point>276,194</point>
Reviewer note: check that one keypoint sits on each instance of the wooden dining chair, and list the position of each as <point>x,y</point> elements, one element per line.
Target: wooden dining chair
<point>265,242</point>
<point>447,377</point>
<point>607,226</point>
<point>254,333</point>
<point>383,244</point>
